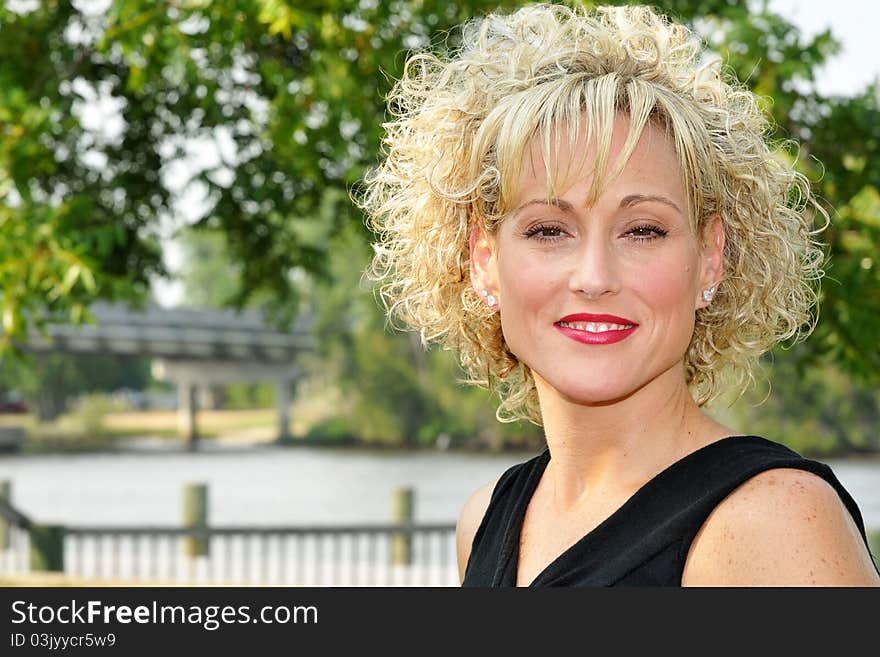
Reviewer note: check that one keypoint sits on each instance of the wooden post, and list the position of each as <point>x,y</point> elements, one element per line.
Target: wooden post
<point>195,514</point>
<point>402,512</point>
<point>187,413</point>
<point>5,527</point>
<point>282,405</point>
<point>47,547</point>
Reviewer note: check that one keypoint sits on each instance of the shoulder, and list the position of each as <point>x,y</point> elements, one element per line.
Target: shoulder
<point>782,527</point>
<point>469,521</point>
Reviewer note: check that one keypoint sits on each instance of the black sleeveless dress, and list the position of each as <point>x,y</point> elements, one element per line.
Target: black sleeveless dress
<point>646,541</point>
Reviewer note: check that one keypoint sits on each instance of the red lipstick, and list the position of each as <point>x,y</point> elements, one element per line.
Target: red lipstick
<point>588,328</point>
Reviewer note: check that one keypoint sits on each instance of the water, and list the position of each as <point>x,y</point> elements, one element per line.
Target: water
<point>277,486</point>
<point>265,486</point>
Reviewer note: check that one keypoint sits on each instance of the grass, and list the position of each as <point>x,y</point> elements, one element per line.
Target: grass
<point>314,402</point>
<point>210,422</point>
<point>70,433</point>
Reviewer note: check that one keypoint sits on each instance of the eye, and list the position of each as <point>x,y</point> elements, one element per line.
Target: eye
<point>646,232</point>
<point>545,232</point>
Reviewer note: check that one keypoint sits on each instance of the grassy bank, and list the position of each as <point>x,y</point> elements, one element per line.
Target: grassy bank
<point>71,432</point>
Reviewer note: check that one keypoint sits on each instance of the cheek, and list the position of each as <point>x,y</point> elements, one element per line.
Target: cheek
<point>526,288</point>
<point>526,283</point>
<point>669,289</point>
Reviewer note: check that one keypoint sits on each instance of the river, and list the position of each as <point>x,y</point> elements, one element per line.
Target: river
<point>283,486</point>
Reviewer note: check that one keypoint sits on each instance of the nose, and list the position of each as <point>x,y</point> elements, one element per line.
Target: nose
<point>595,270</point>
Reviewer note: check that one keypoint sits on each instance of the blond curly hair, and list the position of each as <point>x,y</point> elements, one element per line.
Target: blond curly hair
<point>454,148</point>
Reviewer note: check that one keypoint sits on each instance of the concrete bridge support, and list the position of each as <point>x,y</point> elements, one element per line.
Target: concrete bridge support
<point>190,375</point>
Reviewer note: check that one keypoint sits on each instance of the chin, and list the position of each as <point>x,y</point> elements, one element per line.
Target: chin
<point>608,385</point>
<point>577,392</point>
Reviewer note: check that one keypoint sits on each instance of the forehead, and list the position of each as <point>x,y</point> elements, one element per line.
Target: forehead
<point>587,165</point>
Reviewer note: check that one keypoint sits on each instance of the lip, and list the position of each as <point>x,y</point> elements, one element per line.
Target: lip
<point>586,337</point>
<point>589,317</point>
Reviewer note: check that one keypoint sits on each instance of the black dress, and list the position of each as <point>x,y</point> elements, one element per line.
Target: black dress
<point>646,541</point>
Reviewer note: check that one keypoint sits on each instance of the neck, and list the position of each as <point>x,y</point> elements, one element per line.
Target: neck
<point>616,447</point>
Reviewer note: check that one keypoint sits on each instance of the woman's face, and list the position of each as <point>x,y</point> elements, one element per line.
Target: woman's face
<point>599,300</point>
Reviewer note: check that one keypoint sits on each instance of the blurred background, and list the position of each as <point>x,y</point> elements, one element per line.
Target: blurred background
<point>195,383</point>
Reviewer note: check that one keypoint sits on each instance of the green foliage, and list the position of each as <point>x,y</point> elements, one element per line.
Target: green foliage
<point>210,277</point>
<point>334,430</point>
<point>250,395</point>
<point>288,95</point>
<point>90,412</point>
<point>816,410</point>
<point>49,381</point>
<point>70,230</point>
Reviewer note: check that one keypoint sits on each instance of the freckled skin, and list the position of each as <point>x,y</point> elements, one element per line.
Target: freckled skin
<point>781,528</point>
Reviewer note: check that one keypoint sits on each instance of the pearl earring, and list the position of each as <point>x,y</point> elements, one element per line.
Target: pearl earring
<point>489,298</point>
<point>708,294</point>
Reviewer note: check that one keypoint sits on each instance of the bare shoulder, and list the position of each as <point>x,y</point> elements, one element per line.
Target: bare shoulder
<point>782,527</point>
<point>469,521</point>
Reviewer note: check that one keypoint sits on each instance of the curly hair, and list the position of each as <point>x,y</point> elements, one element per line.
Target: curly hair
<point>453,150</point>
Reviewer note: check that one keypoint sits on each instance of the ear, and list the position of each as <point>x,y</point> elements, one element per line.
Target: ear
<point>711,257</point>
<point>484,274</point>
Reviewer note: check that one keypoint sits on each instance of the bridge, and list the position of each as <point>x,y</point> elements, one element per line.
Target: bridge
<point>190,348</point>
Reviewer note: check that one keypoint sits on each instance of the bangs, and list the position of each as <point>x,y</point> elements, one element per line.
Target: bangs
<point>574,108</point>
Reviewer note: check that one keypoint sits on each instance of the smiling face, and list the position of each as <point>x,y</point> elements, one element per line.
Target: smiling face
<point>599,300</point>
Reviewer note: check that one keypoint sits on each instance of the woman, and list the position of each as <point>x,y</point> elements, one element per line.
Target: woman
<point>590,216</point>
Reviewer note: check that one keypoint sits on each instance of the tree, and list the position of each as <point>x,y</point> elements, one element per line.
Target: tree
<point>209,275</point>
<point>286,96</point>
<point>49,381</point>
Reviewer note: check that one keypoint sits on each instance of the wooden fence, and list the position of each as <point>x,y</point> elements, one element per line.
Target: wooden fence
<point>396,554</point>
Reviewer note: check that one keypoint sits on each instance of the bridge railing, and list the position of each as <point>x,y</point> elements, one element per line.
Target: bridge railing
<point>356,555</point>
<point>396,554</point>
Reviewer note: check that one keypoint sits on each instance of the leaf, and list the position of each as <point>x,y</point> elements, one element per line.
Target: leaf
<point>9,319</point>
<point>866,206</point>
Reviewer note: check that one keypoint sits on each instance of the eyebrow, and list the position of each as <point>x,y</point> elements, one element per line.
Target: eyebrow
<point>634,199</point>
<point>565,206</point>
<point>625,202</point>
